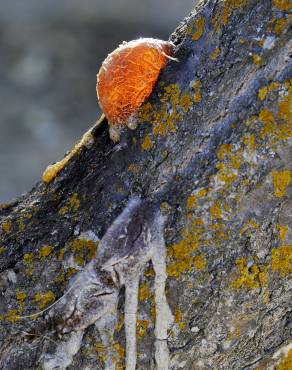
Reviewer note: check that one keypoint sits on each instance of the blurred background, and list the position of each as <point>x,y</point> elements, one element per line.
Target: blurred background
<point>50,52</point>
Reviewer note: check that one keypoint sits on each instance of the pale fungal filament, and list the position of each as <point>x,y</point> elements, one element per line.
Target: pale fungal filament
<point>135,238</point>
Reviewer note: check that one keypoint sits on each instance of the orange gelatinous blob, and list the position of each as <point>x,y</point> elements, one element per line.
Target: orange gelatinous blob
<point>128,75</point>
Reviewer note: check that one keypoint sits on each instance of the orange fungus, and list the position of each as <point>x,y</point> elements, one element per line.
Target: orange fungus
<point>128,75</point>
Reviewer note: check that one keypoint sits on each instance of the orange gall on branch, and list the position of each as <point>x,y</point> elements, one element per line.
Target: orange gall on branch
<point>127,78</point>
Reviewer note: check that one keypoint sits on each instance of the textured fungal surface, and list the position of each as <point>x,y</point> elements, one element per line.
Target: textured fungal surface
<point>128,75</point>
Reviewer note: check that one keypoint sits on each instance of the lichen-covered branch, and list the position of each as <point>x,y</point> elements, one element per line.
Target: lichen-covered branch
<point>213,148</point>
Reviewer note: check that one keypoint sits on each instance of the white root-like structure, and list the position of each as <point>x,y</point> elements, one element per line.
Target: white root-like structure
<point>135,238</point>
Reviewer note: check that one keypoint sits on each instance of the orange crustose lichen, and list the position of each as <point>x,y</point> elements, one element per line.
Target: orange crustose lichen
<point>127,77</point>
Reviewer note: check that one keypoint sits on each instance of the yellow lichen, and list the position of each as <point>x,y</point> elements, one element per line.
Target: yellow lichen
<point>274,86</point>
<point>120,322</point>
<point>250,278</point>
<point>181,254</point>
<point>7,227</point>
<point>196,86</point>
<point>73,204</point>
<point>249,141</point>
<point>250,121</point>
<point>282,229</point>
<point>120,352</point>
<point>215,210</point>
<point>281,260</point>
<point>28,258</point>
<point>52,170</point>
<point>173,106</point>
<point>178,319</point>
<point>84,250</point>
<point>225,175</point>
<point>281,179</point>
<point>20,296</point>
<point>21,224</point>
<point>220,234</point>
<point>285,109</point>
<point>147,143</point>
<point>12,316</point>
<point>282,4</point>
<point>134,168</point>
<point>197,97</point>
<point>281,24</point>
<point>197,28</point>
<point>44,299</point>
<point>202,192</point>
<point>144,292</point>
<point>263,93</point>
<point>191,201</point>
<point>228,6</point>
<point>249,227</point>
<point>200,262</point>
<point>45,251</point>
<point>141,327</point>
<point>101,350</point>
<point>185,102</point>
<point>224,150</point>
<point>215,53</point>
<point>286,363</point>
<point>2,250</point>
<point>271,128</point>
<point>257,59</point>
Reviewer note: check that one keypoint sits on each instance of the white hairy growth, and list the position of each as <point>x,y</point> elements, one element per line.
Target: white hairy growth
<point>135,238</point>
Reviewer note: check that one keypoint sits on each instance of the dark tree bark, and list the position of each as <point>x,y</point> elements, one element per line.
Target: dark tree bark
<point>214,149</point>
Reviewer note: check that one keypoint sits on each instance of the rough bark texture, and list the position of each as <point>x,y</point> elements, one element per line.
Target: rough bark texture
<point>214,149</point>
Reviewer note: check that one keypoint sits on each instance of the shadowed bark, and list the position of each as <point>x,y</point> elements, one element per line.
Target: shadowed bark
<point>213,147</point>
